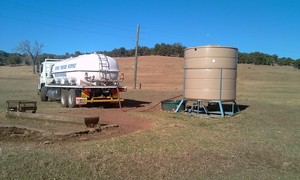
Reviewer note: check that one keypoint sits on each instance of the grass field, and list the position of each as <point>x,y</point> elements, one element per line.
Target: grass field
<point>262,142</point>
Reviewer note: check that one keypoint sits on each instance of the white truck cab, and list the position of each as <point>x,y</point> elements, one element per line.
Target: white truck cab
<point>46,76</point>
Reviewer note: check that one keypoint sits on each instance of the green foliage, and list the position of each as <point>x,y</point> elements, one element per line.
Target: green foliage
<point>3,57</point>
<point>259,58</point>
<point>285,61</point>
<point>1,61</point>
<point>145,51</point>
<point>77,53</point>
<point>14,59</point>
<point>11,59</point>
<point>296,64</point>
<point>162,49</point>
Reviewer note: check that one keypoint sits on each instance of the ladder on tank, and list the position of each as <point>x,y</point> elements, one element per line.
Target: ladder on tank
<point>104,66</point>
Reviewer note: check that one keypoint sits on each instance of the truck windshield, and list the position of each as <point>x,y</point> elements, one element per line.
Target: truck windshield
<point>41,68</point>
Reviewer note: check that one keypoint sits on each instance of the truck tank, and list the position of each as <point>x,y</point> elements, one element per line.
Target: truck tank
<point>88,69</point>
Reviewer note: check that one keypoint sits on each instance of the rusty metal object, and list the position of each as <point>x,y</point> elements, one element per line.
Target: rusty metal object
<point>21,105</point>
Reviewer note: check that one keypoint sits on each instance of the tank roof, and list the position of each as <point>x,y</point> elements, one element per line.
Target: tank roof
<point>211,46</point>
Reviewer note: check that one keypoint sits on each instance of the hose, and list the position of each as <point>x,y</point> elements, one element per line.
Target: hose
<point>152,107</point>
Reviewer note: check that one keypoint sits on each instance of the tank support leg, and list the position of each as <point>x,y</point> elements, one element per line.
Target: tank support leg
<point>221,109</point>
<point>179,105</point>
<point>202,106</point>
<point>214,109</point>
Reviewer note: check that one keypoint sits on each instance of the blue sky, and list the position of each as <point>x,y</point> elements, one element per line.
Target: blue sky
<point>268,26</point>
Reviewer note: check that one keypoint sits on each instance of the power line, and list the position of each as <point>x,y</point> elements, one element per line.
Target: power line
<point>146,36</point>
<point>64,16</point>
<point>158,38</point>
<point>65,27</point>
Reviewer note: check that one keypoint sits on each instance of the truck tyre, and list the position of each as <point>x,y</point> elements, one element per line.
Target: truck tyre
<point>72,98</point>
<point>44,94</point>
<point>64,98</point>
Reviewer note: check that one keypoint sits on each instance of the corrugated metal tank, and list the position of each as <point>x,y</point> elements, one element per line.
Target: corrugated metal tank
<point>210,73</point>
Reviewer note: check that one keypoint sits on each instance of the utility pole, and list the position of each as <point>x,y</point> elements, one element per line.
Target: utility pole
<point>136,55</point>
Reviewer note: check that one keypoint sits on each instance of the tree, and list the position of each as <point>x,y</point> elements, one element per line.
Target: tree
<point>122,52</point>
<point>164,49</point>
<point>67,55</point>
<point>144,51</point>
<point>33,52</point>
<point>14,59</point>
<point>77,53</point>
<point>296,63</point>
<point>274,59</point>
<point>244,58</point>
<point>3,57</point>
<point>1,61</point>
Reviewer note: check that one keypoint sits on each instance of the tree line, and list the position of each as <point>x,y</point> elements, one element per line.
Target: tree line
<point>25,53</point>
<point>162,49</point>
<point>259,58</point>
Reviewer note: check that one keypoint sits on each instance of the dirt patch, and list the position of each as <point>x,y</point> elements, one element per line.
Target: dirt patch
<point>127,122</point>
<point>113,122</point>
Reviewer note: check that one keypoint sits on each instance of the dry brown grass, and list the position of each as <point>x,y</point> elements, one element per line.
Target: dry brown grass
<point>155,73</point>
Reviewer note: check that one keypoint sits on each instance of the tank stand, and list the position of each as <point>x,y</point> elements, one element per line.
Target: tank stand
<point>211,108</point>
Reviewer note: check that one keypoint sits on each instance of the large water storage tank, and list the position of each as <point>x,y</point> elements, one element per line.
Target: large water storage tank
<point>210,73</point>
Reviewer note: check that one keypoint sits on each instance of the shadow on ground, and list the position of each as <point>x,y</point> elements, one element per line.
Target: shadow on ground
<point>127,103</point>
<point>242,107</point>
<point>134,103</point>
<point>227,107</point>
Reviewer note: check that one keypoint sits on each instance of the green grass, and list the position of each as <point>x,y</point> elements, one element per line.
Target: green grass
<point>27,163</point>
<point>19,83</point>
<point>262,142</point>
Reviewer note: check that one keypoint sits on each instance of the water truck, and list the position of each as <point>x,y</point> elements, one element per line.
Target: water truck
<point>89,78</point>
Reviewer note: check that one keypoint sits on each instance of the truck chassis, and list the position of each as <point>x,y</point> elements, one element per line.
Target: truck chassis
<point>72,96</point>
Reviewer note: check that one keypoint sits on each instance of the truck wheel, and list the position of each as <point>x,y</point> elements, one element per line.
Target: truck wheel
<point>72,98</point>
<point>64,98</point>
<point>43,94</point>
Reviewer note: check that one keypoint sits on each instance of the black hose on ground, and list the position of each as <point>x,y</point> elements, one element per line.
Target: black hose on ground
<point>152,107</point>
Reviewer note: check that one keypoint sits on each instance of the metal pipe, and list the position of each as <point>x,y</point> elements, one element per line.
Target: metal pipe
<point>184,77</point>
<point>221,83</point>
